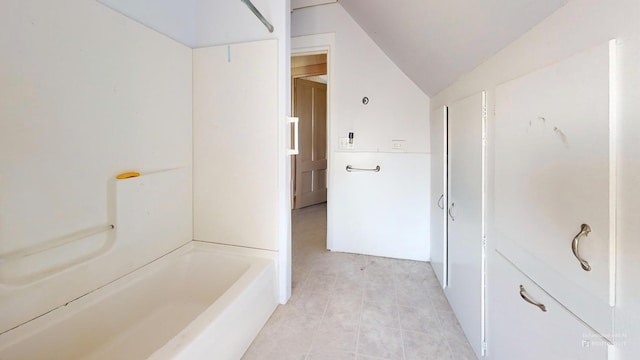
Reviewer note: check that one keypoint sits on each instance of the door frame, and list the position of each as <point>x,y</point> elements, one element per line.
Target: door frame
<point>318,44</point>
<point>295,181</point>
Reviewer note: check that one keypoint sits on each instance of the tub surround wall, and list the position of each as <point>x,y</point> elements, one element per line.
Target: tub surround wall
<point>578,26</point>
<point>150,222</point>
<point>397,110</point>
<point>208,23</point>
<point>85,94</point>
<point>235,149</point>
<point>231,22</point>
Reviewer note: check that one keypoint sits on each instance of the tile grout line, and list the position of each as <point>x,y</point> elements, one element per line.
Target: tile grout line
<point>329,294</point>
<point>364,291</point>
<point>395,285</point>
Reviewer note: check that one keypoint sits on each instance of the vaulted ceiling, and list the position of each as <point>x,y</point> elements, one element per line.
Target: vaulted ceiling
<point>436,41</point>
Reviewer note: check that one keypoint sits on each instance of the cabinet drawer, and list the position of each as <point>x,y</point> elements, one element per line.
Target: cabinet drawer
<point>520,330</point>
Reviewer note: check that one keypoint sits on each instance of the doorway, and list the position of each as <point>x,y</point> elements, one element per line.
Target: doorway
<point>309,79</point>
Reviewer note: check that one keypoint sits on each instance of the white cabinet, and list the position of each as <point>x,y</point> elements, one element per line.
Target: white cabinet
<point>552,169</point>
<point>523,331</point>
<point>554,172</point>
<point>439,194</point>
<point>465,287</point>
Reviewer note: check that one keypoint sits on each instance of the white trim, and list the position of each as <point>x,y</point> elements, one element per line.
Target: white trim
<point>613,179</point>
<point>322,43</point>
<point>284,162</point>
<point>483,287</point>
<point>445,201</point>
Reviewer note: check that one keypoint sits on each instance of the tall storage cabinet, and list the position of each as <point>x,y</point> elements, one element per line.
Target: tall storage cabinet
<point>458,250</point>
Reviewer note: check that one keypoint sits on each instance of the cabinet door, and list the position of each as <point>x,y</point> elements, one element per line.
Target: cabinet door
<point>554,168</point>
<point>520,330</point>
<point>465,289</point>
<point>439,194</point>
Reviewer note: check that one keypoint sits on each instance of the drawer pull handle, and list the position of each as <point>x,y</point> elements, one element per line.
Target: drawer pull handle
<point>450,214</point>
<point>525,296</point>
<point>584,231</point>
<point>440,203</point>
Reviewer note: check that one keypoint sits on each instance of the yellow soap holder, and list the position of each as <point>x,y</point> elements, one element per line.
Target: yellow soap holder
<point>128,175</point>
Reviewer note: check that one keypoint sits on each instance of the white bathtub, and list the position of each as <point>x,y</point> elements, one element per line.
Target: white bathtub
<point>201,301</point>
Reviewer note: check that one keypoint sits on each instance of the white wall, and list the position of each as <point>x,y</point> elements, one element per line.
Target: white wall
<point>383,213</point>
<point>582,24</point>
<point>85,94</point>
<point>398,110</point>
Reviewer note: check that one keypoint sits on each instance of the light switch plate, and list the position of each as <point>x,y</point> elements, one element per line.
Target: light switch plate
<point>344,144</point>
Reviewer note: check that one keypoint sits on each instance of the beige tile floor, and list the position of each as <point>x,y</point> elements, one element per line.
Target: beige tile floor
<point>348,306</point>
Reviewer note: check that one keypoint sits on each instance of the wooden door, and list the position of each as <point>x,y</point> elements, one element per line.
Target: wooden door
<point>439,194</point>
<point>465,289</point>
<point>310,106</point>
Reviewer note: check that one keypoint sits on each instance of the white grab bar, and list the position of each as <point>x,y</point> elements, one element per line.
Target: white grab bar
<point>73,237</point>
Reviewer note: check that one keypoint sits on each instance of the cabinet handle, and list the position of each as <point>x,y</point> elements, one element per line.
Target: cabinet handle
<point>525,296</point>
<point>440,203</point>
<point>451,208</point>
<point>584,231</point>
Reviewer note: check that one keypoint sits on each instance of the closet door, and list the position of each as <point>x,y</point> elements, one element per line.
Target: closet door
<point>555,190</point>
<point>465,289</point>
<point>439,194</point>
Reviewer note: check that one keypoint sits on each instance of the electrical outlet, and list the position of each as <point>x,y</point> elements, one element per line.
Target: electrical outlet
<point>398,145</point>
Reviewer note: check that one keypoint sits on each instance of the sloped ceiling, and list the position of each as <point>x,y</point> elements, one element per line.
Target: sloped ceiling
<point>433,41</point>
<point>436,41</point>
<point>201,23</point>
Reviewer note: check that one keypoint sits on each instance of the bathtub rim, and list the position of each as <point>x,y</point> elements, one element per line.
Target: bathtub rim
<point>262,261</point>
